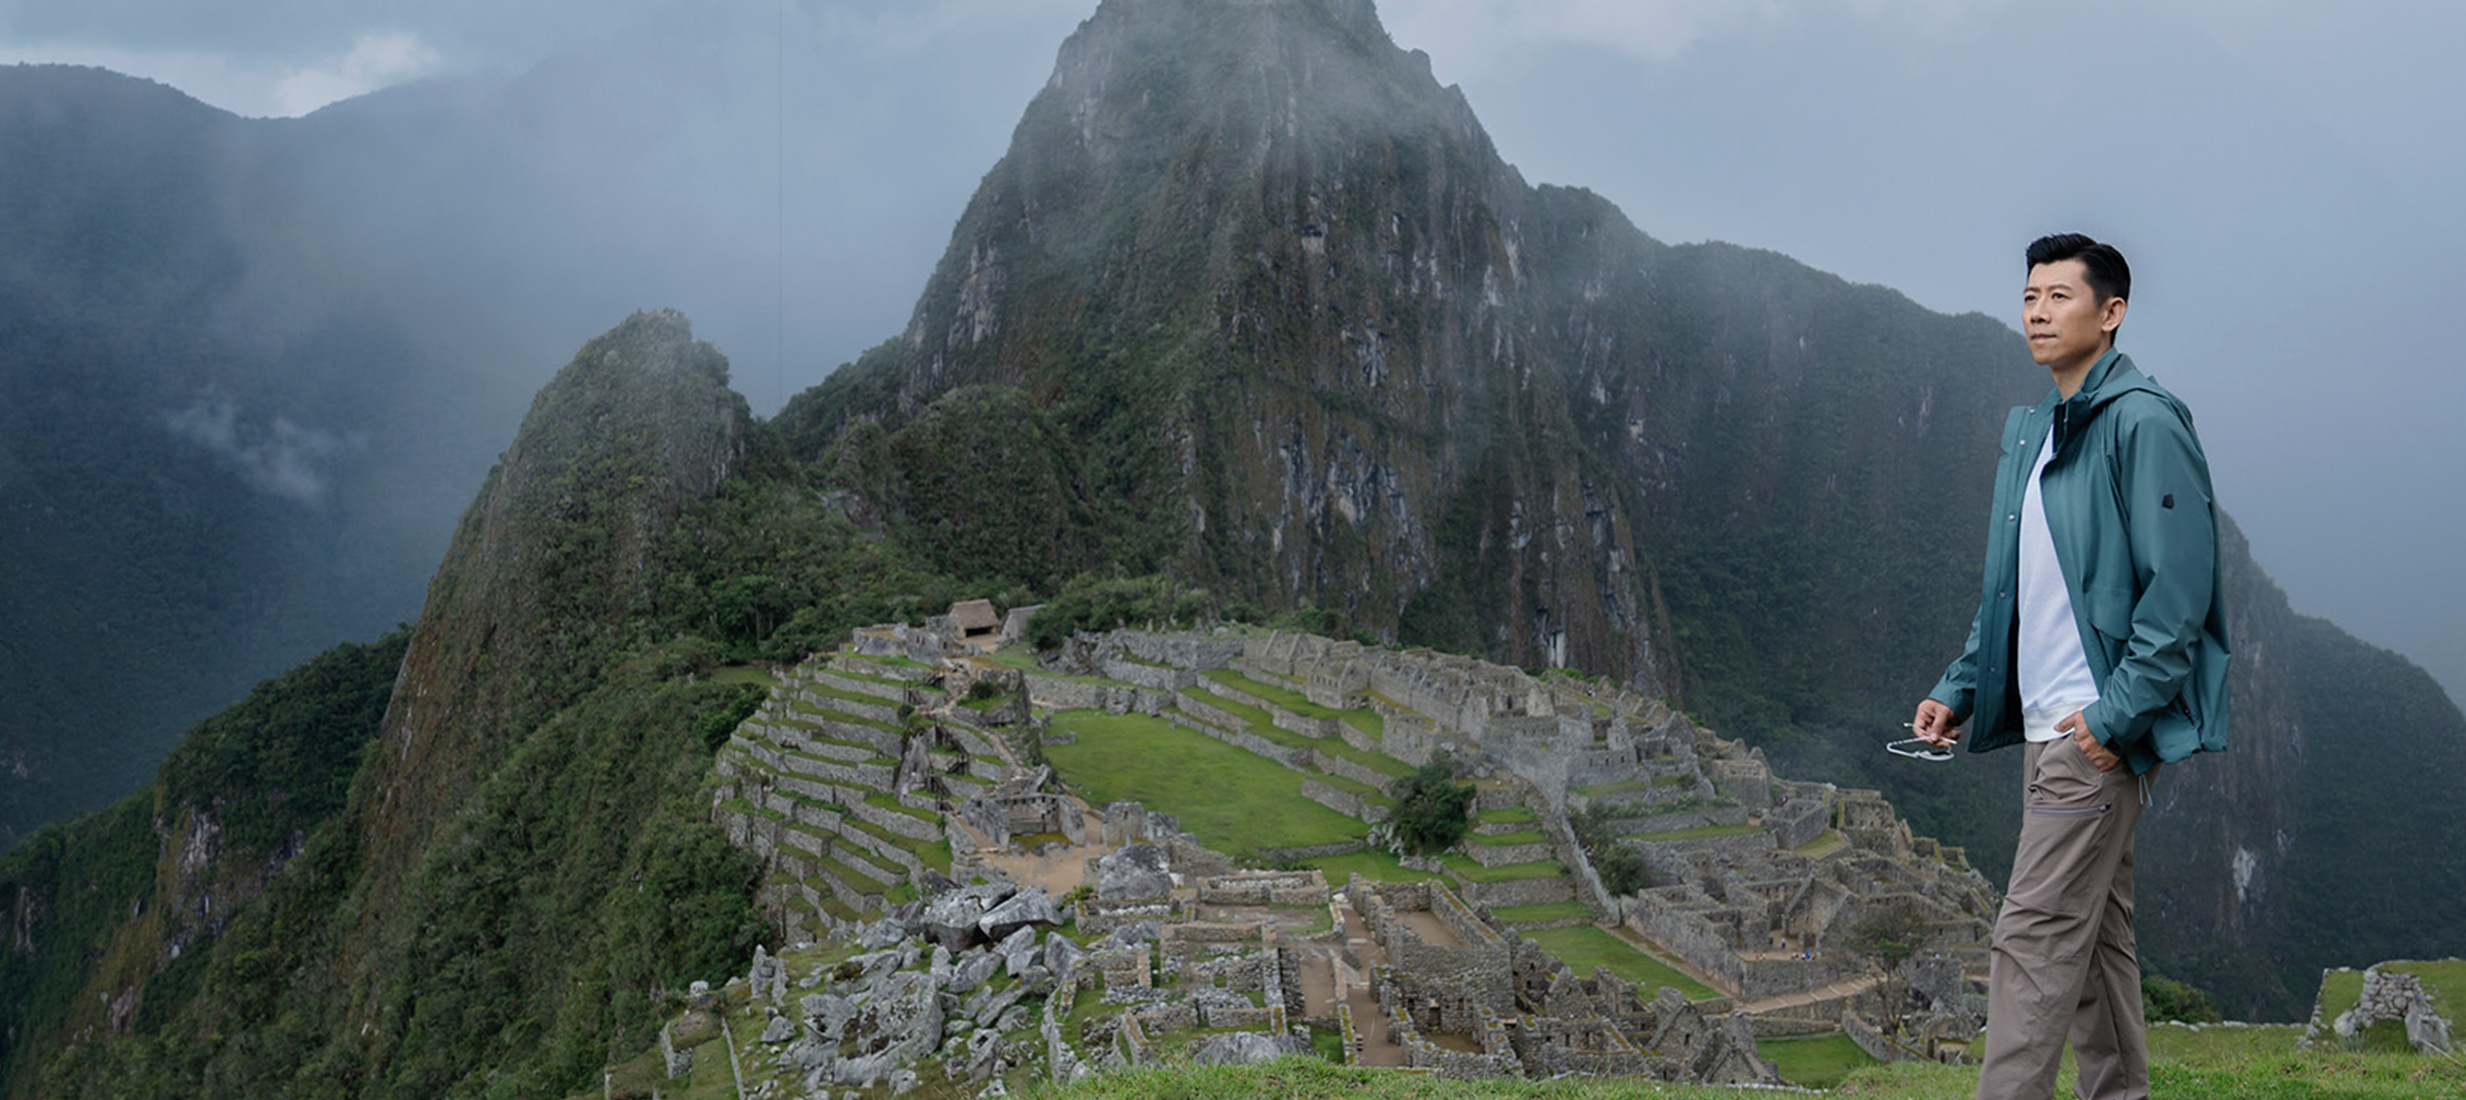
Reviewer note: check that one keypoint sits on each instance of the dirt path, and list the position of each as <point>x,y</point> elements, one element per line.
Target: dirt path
<point>1374,1046</point>
<point>1807,997</point>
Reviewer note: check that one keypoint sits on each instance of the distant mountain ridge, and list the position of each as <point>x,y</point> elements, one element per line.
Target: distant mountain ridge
<point>1251,304</point>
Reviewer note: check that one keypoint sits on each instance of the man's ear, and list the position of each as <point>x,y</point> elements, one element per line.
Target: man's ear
<point>2111,315</point>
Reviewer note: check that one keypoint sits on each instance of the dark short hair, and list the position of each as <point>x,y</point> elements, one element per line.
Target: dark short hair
<point>2109,275</point>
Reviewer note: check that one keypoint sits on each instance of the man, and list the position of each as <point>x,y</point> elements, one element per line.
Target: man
<point>2100,643</point>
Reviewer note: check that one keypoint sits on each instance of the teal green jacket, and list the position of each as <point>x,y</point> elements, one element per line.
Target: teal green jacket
<point>2135,527</point>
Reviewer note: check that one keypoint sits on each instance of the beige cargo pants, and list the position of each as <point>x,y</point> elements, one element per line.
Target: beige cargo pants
<point>2064,959</point>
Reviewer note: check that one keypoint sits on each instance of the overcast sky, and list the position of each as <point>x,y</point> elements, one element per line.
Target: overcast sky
<point>2283,175</point>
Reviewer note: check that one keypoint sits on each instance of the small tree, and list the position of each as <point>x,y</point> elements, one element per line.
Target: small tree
<point>2164,998</point>
<point>1622,868</point>
<point>1430,806</point>
<point>1887,938</point>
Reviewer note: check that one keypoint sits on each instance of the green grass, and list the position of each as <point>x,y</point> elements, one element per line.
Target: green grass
<point>744,674</point>
<point>1260,723</point>
<point>1512,815</point>
<point>2256,1063</point>
<point>931,853</point>
<point>828,692</point>
<point>1375,864</point>
<point>895,662</point>
<point>1623,786</point>
<point>1817,1063</point>
<point>1584,946</point>
<point>1700,832</point>
<point>1284,697</point>
<point>889,801</point>
<point>1511,872</point>
<point>1529,914</point>
<point>1234,800</point>
<point>1528,836</point>
<point>1824,844</point>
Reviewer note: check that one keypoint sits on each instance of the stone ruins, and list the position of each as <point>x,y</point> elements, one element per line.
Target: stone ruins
<point>897,790</point>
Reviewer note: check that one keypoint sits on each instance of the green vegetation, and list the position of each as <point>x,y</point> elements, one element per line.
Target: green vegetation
<point>1506,872</point>
<point>1092,602</point>
<point>2165,999</point>
<point>1375,864</point>
<point>2256,1063</point>
<point>1430,806</point>
<point>1512,815</point>
<point>1234,800</point>
<point>1700,832</point>
<point>1532,914</point>
<point>1528,836</point>
<point>1586,946</point>
<point>1819,1062</point>
<point>1284,697</point>
<point>1823,844</point>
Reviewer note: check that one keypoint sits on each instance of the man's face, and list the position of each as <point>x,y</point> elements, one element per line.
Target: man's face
<point>2067,326</point>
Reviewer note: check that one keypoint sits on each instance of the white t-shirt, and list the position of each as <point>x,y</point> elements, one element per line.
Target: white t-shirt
<point>2053,671</point>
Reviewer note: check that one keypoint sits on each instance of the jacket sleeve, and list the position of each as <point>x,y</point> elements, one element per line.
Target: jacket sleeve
<point>2172,523</point>
<point>1959,687</point>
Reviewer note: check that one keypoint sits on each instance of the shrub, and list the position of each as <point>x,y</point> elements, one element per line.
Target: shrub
<point>1430,806</point>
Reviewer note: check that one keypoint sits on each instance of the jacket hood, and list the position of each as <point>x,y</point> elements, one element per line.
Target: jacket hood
<point>2112,376</point>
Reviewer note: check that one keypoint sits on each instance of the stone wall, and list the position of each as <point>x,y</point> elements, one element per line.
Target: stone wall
<point>1482,960</point>
<point>1141,674</point>
<point>1265,888</point>
<point>1358,773</point>
<point>1060,693</point>
<point>1342,801</point>
<point>1501,855</point>
<point>1683,932</point>
<point>1530,891</point>
<point>1190,651</point>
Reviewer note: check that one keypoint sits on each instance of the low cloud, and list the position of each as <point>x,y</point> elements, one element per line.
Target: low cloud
<point>276,457</point>
<point>254,86</point>
<point>374,61</point>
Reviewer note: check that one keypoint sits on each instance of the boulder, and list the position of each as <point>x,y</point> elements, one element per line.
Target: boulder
<point>1028,906</point>
<point>950,919</point>
<point>1243,1048</point>
<point>974,971</point>
<point>1134,871</point>
<point>769,977</point>
<point>828,1013</point>
<point>984,1054</point>
<point>1131,935</point>
<point>899,1024</point>
<point>1061,956</point>
<point>1018,950</point>
<point>779,1030</point>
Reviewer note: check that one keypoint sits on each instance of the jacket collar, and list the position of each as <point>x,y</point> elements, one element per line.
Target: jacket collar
<point>2111,376</point>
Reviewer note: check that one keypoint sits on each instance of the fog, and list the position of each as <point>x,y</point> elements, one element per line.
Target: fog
<point>2280,174</point>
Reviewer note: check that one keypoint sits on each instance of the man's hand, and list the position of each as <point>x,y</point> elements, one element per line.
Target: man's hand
<point>2078,727</point>
<point>1933,724</point>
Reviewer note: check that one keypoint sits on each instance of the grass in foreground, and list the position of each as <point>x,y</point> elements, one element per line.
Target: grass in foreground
<point>1233,799</point>
<point>1585,946</point>
<point>1820,1062</point>
<point>2197,1066</point>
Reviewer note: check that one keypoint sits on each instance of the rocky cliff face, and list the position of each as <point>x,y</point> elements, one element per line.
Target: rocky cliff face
<point>1311,340</point>
<point>548,560</point>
